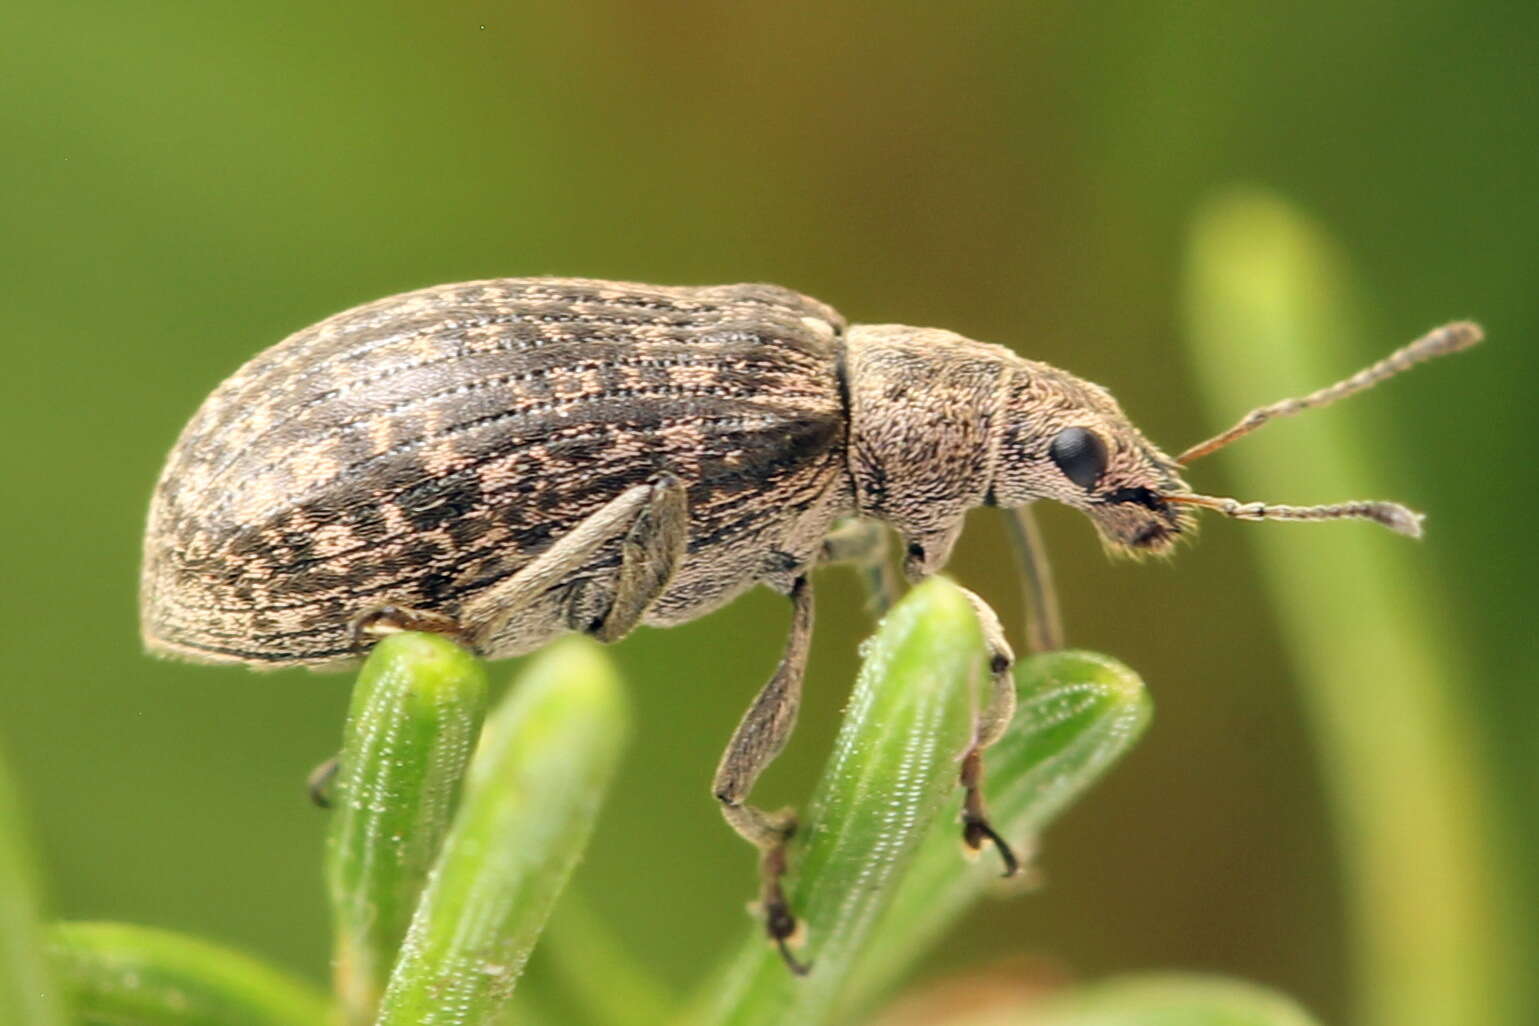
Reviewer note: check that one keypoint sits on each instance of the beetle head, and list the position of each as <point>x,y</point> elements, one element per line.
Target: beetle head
<point>1134,492</point>
<point>1066,439</point>
<point>941,423</point>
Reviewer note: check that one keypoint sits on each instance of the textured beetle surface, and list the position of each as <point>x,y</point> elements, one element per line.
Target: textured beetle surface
<point>420,449</point>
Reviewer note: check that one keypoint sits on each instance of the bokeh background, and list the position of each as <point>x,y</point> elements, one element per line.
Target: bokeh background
<point>182,184</point>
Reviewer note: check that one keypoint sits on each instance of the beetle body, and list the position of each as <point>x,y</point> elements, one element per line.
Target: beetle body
<point>418,450</point>
<point>509,460</point>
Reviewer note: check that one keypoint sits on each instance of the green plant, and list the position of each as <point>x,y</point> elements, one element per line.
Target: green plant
<point>447,855</point>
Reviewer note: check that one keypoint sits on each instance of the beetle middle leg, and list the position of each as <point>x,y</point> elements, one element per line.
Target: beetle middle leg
<point>759,737</point>
<point>863,544</point>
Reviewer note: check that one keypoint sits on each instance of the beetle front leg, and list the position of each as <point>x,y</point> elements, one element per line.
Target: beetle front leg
<point>993,721</point>
<point>759,737</point>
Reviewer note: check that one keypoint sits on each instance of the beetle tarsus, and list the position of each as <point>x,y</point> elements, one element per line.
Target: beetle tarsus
<point>318,783</point>
<point>976,828</point>
<point>779,922</point>
<point>975,831</point>
<point>796,967</point>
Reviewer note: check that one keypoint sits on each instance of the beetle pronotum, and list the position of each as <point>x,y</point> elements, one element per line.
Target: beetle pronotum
<point>508,460</point>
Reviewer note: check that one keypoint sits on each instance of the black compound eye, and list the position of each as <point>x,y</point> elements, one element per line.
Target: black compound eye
<point>1080,454</point>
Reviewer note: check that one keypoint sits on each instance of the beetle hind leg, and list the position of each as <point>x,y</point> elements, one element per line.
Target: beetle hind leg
<point>650,552</point>
<point>759,737</point>
<point>650,523</point>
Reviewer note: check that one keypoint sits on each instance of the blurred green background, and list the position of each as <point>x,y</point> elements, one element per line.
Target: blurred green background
<point>183,184</point>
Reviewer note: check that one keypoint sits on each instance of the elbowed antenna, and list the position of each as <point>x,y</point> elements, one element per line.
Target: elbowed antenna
<point>1388,514</point>
<point>1450,338</point>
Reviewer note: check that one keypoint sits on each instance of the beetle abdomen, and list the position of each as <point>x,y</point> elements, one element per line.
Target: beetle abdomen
<point>420,448</point>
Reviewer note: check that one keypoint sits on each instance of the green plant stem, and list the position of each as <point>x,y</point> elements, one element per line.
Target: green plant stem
<point>121,975</point>
<point>531,797</point>
<point>1269,317</point>
<point>894,768</point>
<point>416,713</point>
<point>1078,713</point>
<point>577,941</point>
<point>28,993</point>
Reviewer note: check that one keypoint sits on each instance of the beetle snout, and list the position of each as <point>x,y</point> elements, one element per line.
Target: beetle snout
<point>1138,520</point>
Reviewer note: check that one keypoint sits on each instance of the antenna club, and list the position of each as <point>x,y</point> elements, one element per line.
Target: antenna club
<point>1450,338</point>
<point>1400,519</point>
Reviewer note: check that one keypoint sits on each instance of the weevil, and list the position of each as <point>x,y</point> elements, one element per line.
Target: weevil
<point>511,459</point>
